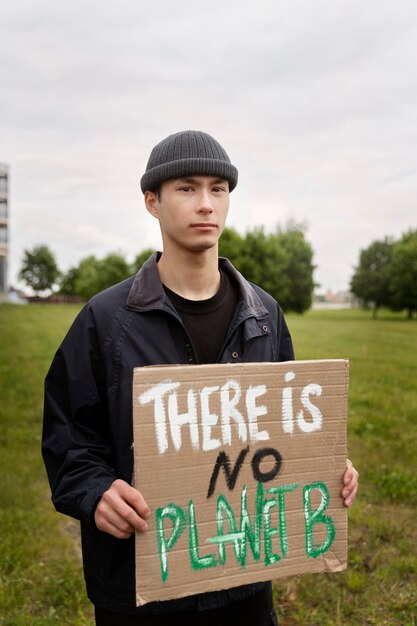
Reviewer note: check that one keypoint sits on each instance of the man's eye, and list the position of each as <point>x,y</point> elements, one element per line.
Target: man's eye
<point>217,189</point>
<point>185,188</point>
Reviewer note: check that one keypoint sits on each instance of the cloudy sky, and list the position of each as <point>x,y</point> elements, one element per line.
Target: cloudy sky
<point>314,100</point>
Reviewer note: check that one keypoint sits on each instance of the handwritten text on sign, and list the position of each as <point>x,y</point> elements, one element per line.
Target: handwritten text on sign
<point>241,466</point>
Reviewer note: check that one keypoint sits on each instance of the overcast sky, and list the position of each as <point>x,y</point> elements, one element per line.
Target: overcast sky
<point>315,102</point>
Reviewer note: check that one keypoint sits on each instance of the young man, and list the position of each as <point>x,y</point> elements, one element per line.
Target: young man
<point>184,306</point>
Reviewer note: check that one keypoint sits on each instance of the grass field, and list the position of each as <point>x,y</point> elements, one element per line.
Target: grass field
<point>41,582</point>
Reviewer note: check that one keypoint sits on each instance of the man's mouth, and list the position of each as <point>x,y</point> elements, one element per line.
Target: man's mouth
<point>204,225</point>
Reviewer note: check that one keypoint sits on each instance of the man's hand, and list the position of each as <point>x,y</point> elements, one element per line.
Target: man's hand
<point>121,511</point>
<point>350,484</point>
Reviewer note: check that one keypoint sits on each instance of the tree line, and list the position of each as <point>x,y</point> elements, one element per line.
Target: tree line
<point>386,275</point>
<point>280,262</point>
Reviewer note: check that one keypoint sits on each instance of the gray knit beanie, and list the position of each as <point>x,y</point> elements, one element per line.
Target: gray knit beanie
<point>187,153</point>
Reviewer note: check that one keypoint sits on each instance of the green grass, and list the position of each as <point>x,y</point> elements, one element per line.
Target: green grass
<point>41,581</point>
<point>379,586</point>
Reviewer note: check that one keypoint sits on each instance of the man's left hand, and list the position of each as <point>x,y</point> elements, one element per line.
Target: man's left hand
<point>350,484</point>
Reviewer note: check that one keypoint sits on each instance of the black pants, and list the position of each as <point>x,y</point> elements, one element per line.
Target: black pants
<point>257,610</point>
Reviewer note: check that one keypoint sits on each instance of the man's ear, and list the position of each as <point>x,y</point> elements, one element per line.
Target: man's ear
<point>151,203</point>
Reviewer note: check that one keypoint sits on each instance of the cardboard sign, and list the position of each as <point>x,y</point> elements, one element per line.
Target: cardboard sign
<point>242,468</point>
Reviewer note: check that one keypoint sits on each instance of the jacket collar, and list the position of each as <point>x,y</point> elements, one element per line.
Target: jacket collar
<point>148,293</point>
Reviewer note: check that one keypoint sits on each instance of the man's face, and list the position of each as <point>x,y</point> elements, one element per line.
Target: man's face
<point>191,211</point>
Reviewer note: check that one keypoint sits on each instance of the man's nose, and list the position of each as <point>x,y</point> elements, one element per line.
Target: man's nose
<point>204,202</point>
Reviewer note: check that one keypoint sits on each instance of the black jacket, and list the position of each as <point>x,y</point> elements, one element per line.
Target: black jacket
<point>87,432</point>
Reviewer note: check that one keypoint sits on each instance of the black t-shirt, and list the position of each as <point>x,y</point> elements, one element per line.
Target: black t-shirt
<point>207,321</point>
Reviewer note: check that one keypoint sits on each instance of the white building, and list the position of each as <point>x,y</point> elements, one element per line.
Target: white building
<point>4,174</point>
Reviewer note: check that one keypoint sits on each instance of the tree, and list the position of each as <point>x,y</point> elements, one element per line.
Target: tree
<point>85,279</point>
<point>93,275</point>
<point>111,270</point>
<point>68,282</point>
<point>39,269</point>
<point>140,259</point>
<point>402,274</point>
<point>370,282</point>
<point>281,263</point>
<point>232,246</point>
<point>264,264</point>
<point>299,268</point>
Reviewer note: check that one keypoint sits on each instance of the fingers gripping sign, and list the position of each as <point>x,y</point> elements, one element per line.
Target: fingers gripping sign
<point>121,511</point>
<point>350,484</point>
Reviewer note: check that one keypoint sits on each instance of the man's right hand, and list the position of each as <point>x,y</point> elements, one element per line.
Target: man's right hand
<point>121,511</point>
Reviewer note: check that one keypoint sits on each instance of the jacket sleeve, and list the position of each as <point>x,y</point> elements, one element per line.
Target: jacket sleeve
<point>75,442</point>
<point>285,346</point>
